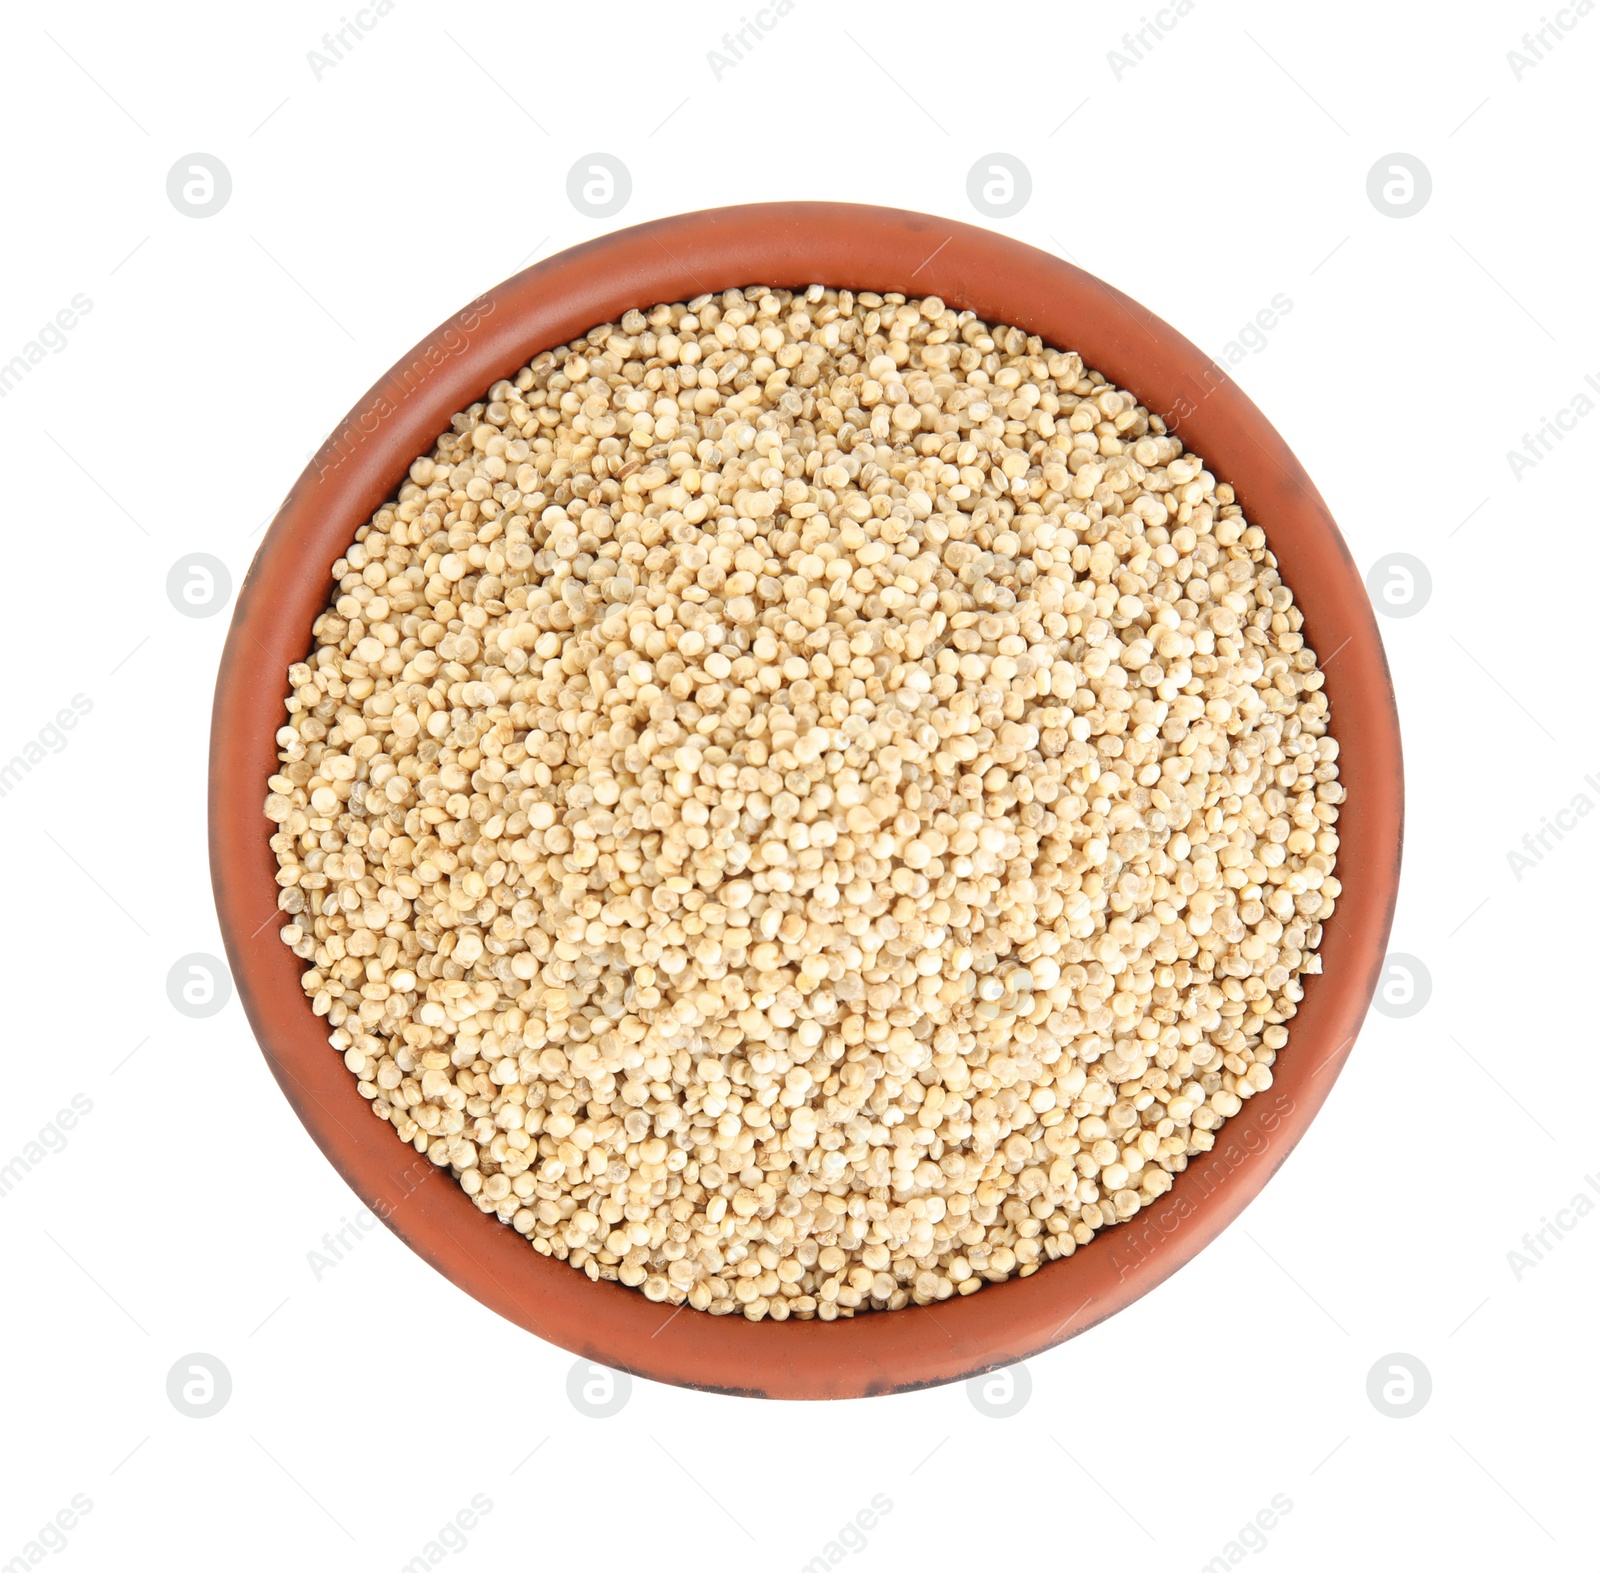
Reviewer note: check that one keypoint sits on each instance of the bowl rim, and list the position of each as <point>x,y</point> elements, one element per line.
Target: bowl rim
<point>794,244</point>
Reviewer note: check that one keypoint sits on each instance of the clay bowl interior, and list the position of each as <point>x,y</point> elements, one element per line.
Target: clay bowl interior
<point>362,464</point>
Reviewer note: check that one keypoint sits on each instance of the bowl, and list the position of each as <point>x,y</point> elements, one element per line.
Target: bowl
<point>362,463</point>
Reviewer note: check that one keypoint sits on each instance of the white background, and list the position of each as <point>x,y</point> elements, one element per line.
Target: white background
<point>1226,167</point>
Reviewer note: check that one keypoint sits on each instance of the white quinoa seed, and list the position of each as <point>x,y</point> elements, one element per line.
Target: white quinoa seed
<point>807,802</point>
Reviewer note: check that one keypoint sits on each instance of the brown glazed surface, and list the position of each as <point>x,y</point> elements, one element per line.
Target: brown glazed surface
<point>793,245</point>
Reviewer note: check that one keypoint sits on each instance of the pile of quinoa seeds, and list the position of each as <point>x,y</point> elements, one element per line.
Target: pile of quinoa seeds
<point>807,803</point>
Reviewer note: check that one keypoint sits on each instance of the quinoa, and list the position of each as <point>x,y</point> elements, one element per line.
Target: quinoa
<point>807,802</point>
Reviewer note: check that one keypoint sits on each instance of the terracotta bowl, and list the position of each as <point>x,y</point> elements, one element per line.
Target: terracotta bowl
<point>363,463</point>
